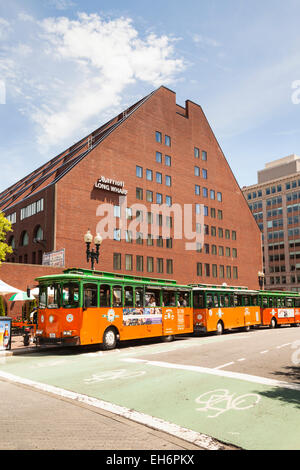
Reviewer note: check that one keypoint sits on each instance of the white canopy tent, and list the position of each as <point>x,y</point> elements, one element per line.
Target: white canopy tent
<point>7,289</point>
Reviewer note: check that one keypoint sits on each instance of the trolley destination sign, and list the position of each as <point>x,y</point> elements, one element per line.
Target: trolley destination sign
<point>111,185</point>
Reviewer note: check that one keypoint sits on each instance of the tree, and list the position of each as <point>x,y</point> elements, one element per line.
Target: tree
<point>2,307</point>
<point>5,226</point>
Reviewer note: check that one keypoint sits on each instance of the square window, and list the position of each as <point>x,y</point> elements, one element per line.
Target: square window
<point>139,171</point>
<point>158,157</point>
<point>167,160</point>
<point>139,193</point>
<point>158,137</point>
<point>168,180</point>
<point>168,140</point>
<point>149,175</point>
<point>169,201</point>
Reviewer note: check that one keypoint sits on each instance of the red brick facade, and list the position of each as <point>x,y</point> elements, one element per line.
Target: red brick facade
<point>71,203</point>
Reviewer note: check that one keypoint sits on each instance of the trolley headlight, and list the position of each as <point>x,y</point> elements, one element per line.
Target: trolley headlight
<point>68,333</point>
<point>39,332</point>
<point>51,319</point>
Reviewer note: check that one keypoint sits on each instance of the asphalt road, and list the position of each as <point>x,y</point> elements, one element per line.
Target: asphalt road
<point>240,388</point>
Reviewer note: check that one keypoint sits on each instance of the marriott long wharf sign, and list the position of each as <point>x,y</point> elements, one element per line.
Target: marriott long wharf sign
<point>111,185</point>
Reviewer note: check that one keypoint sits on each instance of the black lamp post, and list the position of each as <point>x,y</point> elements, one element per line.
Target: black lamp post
<point>90,253</point>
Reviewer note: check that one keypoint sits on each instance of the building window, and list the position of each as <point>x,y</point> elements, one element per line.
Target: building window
<point>139,171</point>
<point>227,251</point>
<point>128,262</point>
<point>204,155</point>
<point>168,180</point>
<point>117,234</point>
<point>149,217</point>
<point>198,209</point>
<point>159,199</point>
<point>24,239</point>
<point>168,140</point>
<point>196,152</point>
<point>149,264</point>
<point>12,217</point>
<point>159,241</point>
<point>139,263</point>
<point>204,173</point>
<point>139,193</point>
<point>117,211</point>
<point>233,235</point>
<point>199,269</point>
<point>207,270</point>
<point>149,196</point>
<point>196,171</point>
<point>158,177</point>
<point>167,160</point>
<point>128,213</point>
<point>213,231</point>
<point>159,220</point>
<point>117,260</point>
<point>158,157</point>
<point>213,212</point>
<point>235,272</point>
<point>197,189</point>
<point>149,175</point>
<point>212,194</point>
<point>38,234</point>
<point>205,192</point>
<point>158,137</point>
<point>169,242</point>
<point>227,234</point>
<point>219,197</point>
<point>139,238</point>
<point>213,249</point>
<point>169,201</point>
<point>234,252</point>
<point>150,240</point>
<point>220,215</point>
<point>169,221</point>
<point>169,266</point>
<point>221,251</point>
<point>220,232</point>
<point>160,265</point>
<point>228,272</point>
<point>128,236</point>
<point>214,270</point>
<point>221,271</point>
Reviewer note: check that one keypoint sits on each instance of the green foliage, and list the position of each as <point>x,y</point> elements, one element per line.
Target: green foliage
<point>5,226</point>
<point>2,307</point>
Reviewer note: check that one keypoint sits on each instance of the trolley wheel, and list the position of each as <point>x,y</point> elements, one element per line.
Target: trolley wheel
<point>273,323</point>
<point>247,328</point>
<point>220,328</point>
<point>109,339</point>
<point>168,339</point>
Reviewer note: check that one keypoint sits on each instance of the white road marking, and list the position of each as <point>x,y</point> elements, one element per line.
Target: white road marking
<point>264,352</point>
<point>225,365</point>
<point>242,359</point>
<point>222,373</point>
<point>196,438</point>
<point>283,345</point>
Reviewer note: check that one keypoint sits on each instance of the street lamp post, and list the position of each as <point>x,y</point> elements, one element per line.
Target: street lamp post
<point>91,254</point>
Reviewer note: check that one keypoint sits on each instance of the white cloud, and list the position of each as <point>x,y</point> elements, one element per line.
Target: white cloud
<point>75,70</point>
<point>205,41</point>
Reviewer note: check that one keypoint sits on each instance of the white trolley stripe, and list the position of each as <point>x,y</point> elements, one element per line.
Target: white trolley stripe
<point>199,439</point>
<point>222,373</point>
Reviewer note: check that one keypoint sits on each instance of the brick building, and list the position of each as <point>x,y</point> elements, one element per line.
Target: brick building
<point>275,204</point>
<point>156,152</point>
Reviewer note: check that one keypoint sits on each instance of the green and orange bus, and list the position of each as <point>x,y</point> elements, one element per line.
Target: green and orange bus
<point>81,307</point>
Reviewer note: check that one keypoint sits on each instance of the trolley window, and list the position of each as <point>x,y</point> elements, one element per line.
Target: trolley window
<point>90,295</point>
<point>183,299</point>
<point>237,300</point>
<point>152,298</point>
<point>104,295</point>
<point>289,302</point>
<point>70,295</point>
<point>139,295</point>
<point>117,296</point>
<point>169,298</point>
<point>209,301</point>
<point>198,299</point>
<point>128,296</point>
<point>43,297</point>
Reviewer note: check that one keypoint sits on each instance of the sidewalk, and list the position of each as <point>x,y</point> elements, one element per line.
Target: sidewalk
<point>17,347</point>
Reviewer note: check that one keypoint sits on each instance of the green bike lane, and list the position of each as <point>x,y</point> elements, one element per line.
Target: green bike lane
<point>235,410</point>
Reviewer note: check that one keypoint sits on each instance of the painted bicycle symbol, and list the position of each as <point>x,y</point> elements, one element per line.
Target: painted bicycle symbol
<point>219,401</point>
<point>113,375</point>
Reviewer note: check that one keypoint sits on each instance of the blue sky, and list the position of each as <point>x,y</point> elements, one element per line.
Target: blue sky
<point>238,59</point>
